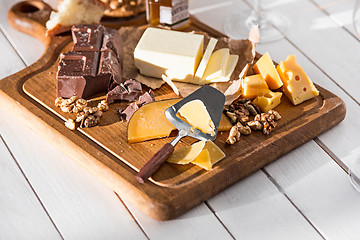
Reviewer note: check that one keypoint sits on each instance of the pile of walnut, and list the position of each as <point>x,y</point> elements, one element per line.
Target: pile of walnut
<point>240,113</point>
<point>86,116</point>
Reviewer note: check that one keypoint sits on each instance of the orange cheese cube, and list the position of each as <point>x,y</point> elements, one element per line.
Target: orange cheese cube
<point>269,100</point>
<point>253,86</point>
<point>297,85</point>
<point>266,68</point>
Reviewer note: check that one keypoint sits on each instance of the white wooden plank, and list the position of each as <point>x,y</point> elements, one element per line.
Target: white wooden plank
<point>255,209</point>
<point>340,11</point>
<point>13,63</point>
<point>22,216</point>
<point>29,48</point>
<point>321,190</point>
<point>347,132</point>
<point>80,205</point>
<point>198,223</point>
<point>325,43</point>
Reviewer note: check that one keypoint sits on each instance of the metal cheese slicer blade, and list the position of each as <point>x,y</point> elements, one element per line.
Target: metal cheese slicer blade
<point>213,100</point>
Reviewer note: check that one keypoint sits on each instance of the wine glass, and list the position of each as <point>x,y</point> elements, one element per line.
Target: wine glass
<point>272,26</point>
<point>354,166</point>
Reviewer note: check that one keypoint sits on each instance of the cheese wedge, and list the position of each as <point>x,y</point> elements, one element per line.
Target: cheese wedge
<point>149,122</point>
<point>297,85</point>
<point>197,116</point>
<point>173,53</point>
<point>204,61</point>
<point>266,68</point>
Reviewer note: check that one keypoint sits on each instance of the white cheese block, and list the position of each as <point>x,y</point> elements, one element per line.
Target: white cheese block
<point>216,66</point>
<point>204,61</point>
<point>173,53</point>
<point>229,69</point>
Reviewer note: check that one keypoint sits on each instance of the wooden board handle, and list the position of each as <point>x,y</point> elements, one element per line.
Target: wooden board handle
<point>155,163</point>
<point>30,17</point>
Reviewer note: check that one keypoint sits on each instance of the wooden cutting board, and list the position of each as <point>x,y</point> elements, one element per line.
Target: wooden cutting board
<point>104,151</point>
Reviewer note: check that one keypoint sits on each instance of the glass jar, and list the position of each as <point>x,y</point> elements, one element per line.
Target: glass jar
<point>171,13</point>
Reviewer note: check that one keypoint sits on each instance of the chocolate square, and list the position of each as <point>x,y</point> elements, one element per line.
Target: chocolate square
<point>87,37</point>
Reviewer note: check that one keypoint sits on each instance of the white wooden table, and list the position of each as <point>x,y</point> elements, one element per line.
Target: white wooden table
<point>304,195</point>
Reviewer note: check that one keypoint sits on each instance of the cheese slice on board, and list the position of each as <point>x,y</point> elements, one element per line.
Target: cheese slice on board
<point>203,153</point>
<point>186,154</point>
<point>210,155</point>
<point>217,64</point>
<point>230,67</point>
<point>173,53</point>
<point>205,60</point>
<point>195,113</point>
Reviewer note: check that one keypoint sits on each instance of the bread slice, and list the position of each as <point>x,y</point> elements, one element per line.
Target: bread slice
<point>72,12</point>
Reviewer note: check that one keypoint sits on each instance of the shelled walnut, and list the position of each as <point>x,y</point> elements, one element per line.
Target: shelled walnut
<point>90,117</point>
<point>71,105</point>
<point>236,131</point>
<point>240,113</point>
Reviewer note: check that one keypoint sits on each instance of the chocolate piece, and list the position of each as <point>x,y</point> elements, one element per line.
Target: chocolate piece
<point>146,98</point>
<point>87,37</point>
<point>129,91</point>
<point>110,66</point>
<point>77,75</point>
<point>126,114</point>
<point>112,42</point>
<point>86,70</point>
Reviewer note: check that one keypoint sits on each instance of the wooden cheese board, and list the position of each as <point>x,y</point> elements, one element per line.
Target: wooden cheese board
<point>104,150</point>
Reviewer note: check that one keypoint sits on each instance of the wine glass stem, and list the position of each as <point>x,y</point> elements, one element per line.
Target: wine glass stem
<point>257,15</point>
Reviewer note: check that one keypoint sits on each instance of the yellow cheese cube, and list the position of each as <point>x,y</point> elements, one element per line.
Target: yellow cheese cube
<point>297,85</point>
<point>269,100</point>
<point>197,116</point>
<point>253,86</point>
<point>173,53</point>
<point>266,68</point>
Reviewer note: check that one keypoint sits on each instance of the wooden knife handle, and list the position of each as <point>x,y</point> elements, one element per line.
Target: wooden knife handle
<point>155,163</point>
<point>30,17</point>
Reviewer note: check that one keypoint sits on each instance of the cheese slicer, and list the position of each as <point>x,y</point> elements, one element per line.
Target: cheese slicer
<point>213,101</point>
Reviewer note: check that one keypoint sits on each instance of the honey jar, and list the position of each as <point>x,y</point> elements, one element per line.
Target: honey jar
<point>171,13</point>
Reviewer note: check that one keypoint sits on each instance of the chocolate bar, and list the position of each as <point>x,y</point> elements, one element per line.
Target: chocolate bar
<point>94,65</point>
<point>126,114</point>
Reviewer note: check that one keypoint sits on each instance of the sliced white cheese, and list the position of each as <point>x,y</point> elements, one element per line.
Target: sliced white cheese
<point>204,61</point>
<point>173,53</point>
<point>230,67</point>
<point>216,66</point>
